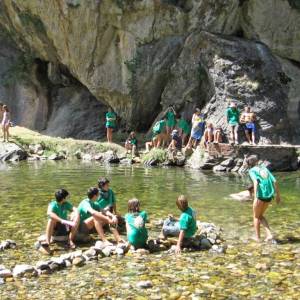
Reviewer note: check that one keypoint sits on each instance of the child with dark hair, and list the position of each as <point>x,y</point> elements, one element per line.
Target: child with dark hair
<point>137,233</point>
<point>111,120</point>
<point>176,142</point>
<point>91,217</point>
<point>185,227</point>
<point>5,123</point>
<point>59,222</point>
<point>131,144</point>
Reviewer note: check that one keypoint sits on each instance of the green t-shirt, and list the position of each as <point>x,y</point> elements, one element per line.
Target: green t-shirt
<point>132,141</point>
<point>184,125</point>
<point>61,210</point>
<point>187,222</point>
<point>233,116</point>
<point>107,199</point>
<point>265,187</point>
<point>111,123</point>
<point>159,126</point>
<point>137,234</point>
<point>84,206</point>
<point>171,122</point>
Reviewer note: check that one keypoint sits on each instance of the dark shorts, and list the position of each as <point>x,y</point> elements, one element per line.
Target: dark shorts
<point>250,127</point>
<point>110,126</point>
<point>60,230</point>
<point>266,200</point>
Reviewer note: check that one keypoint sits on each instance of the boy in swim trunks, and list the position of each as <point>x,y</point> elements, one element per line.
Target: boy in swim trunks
<point>248,119</point>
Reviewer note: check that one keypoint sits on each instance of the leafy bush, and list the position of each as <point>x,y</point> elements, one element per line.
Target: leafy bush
<point>158,155</point>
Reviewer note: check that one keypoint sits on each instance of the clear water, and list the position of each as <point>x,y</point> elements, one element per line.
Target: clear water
<point>26,189</point>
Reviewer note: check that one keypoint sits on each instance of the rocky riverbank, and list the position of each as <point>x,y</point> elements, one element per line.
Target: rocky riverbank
<point>27,144</point>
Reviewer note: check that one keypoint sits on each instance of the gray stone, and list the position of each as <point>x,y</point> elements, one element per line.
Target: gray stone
<point>5,273</point>
<point>21,270</point>
<point>2,281</point>
<point>111,157</point>
<point>99,245</point>
<point>228,163</point>
<point>78,261</point>
<point>144,284</point>
<point>11,152</point>
<point>219,168</point>
<point>205,244</point>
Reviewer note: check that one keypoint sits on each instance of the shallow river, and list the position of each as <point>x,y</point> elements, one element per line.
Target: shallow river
<point>246,271</point>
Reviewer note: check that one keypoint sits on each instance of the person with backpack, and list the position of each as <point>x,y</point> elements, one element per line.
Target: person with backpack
<point>265,190</point>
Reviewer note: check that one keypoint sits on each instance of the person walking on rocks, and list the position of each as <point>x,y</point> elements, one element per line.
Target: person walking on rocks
<point>5,123</point>
<point>233,116</point>
<point>265,189</point>
<point>111,120</point>
<point>248,119</point>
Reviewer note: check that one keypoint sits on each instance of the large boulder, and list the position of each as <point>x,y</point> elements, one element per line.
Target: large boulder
<point>275,23</point>
<point>212,69</point>
<point>11,152</point>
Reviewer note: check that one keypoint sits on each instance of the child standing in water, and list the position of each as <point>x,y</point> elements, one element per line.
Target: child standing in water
<point>265,188</point>
<point>111,119</point>
<point>5,123</point>
<point>185,228</point>
<point>59,223</point>
<point>137,233</point>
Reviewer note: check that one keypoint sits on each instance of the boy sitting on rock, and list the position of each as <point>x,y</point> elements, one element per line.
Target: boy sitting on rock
<point>59,222</point>
<point>92,217</point>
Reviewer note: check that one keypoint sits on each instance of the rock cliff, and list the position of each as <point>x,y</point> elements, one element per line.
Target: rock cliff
<point>62,62</point>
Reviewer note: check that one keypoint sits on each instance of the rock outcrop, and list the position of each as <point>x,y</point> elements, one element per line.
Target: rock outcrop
<point>140,56</point>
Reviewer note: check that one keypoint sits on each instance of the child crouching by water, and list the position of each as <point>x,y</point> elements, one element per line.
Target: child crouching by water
<point>58,223</point>
<point>137,233</point>
<point>185,228</point>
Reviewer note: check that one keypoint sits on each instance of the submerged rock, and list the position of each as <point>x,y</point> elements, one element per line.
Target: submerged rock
<point>22,270</point>
<point>12,152</point>
<point>144,284</point>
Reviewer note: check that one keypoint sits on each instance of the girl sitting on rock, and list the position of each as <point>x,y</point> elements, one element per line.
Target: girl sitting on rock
<point>185,228</point>
<point>137,233</point>
<point>131,144</point>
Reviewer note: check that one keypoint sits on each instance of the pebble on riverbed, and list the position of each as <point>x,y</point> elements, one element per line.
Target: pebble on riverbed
<point>7,244</point>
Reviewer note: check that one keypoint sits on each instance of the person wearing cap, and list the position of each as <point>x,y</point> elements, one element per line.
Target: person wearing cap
<point>265,189</point>
<point>233,116</point>
<point>176,142</point>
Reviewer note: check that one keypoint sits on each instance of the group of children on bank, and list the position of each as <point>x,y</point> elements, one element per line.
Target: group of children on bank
<point>174,131</point>
<point>98,213</point>
<point>5,121</point>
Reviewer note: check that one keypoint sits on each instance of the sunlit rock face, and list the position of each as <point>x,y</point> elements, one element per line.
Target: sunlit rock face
<point>140,56</point>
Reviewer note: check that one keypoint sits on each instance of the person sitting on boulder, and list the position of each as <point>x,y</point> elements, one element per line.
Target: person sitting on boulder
<point>137,233</point>
<point>92,217</point>
<point>59,224</point>
<point>176,142</point>
<point>171,121</point>
<point>111,119</point>
<point>185,228</point>
<point>233,116</point>
<point>248,119</point>
<point>183,128</point>
<point>158,134</point>
<point>218,135</point>
<point>131,144</point>
<point>208,134</point>
<point>265,189</point>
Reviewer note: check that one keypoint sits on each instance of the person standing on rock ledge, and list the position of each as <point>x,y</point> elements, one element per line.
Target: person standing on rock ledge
<point>233,117</point>
<point>111,119</point>
<point>265,188</point>
<point>5,123</point>
<point>248,119</point>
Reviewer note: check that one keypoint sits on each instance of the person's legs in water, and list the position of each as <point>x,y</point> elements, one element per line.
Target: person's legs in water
<point>264,222</point>
<point>258,206</point>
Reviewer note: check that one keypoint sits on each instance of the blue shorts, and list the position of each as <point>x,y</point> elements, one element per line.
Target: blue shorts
<point>250,127</point>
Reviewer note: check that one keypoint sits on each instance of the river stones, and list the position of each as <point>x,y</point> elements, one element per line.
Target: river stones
<point>78,261</point>
<point>144,284</point>
<point>22,270</point>
<point>7,244</point>
<point>5,273</point>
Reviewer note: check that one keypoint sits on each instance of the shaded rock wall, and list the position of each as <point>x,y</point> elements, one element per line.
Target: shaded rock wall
<point>139,56</point>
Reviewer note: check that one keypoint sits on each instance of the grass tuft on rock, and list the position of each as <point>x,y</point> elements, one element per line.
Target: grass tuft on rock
<point>155,154</point>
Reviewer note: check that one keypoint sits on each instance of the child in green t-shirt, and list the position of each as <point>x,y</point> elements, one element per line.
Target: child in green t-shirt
<point>131,144</point>
<point>171,121</point>
<point>111,123</point>
<point>265,189</point>
<point>185,228</point>
<point>137,233</point>
<point>92,216</point>
<point>233,119</point>
<point>61,221</point>
<point>184,128</point>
